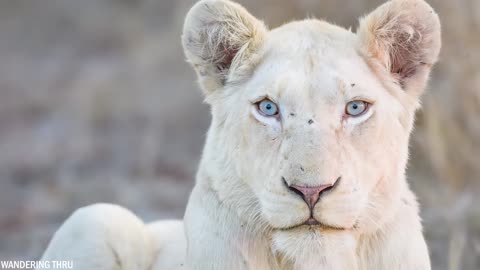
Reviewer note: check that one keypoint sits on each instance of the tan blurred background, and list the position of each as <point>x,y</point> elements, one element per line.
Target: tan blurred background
<point>98,105</point>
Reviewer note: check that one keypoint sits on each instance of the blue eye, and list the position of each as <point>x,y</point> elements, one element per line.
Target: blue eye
<point>268,108</point>
<point>356,107</point>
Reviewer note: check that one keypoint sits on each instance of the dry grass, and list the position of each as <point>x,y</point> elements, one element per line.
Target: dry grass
<point>97,104</point>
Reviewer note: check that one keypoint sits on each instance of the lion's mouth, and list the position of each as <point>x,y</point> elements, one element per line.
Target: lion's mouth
<point>313,223</point>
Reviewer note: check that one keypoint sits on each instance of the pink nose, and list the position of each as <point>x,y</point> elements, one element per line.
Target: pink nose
<point>310,195</point>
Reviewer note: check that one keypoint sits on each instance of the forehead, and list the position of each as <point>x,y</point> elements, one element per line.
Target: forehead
<point>313,59</point>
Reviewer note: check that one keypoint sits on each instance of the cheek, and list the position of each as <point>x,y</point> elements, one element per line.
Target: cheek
<point>264,132</point>
<point>362,156</point>
<point>263,136</point>
<point>377,150</point>
<point>257,151</point>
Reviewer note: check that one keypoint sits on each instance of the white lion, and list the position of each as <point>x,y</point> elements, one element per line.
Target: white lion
<point>304,163</point>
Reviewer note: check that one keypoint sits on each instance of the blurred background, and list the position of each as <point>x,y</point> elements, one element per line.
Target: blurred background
<point>98,105</point>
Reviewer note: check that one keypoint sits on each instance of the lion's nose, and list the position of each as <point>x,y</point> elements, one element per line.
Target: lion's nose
<point>310,195</point>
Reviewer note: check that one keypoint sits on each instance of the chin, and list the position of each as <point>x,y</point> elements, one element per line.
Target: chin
<point>313,246</point>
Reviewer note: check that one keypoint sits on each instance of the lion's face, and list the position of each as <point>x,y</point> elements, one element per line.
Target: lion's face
<point>310,120</point>
<point>313,113</point>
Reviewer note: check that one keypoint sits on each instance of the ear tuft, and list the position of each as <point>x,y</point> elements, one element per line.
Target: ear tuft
<point>219,36</point>
<point>403,36</point>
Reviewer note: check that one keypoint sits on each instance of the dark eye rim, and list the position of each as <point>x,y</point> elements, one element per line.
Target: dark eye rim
<point>367,107</point>
<point>257,105</point>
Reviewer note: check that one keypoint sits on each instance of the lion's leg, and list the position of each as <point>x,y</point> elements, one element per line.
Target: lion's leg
<point>102,237</point>
<point>170,244</point>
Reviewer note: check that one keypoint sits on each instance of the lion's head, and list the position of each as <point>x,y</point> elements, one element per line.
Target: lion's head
<point>311,121</point>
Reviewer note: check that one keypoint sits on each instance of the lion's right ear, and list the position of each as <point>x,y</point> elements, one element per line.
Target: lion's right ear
<point>219,38</point>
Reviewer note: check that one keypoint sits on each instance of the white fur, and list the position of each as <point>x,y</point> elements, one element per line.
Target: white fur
<point>240,214</point>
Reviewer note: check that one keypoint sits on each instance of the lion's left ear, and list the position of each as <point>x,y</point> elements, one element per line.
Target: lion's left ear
<point>403,38</point>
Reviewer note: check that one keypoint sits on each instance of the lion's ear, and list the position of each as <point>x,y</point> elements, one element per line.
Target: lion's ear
<point>403,38</point>
<point>219,37</point>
